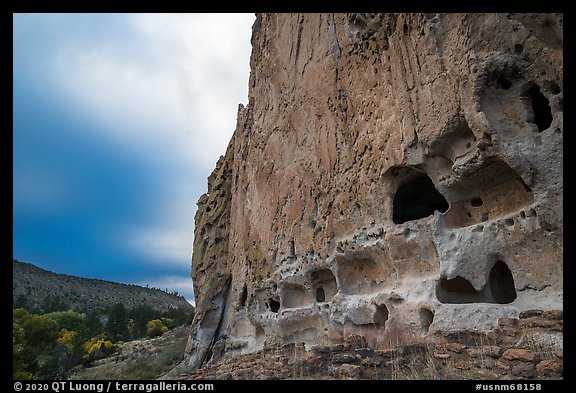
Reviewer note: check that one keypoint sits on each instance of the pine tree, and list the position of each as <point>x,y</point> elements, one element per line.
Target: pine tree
<point>117,325</point>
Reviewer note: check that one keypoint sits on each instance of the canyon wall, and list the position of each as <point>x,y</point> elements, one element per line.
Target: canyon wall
<point>391,173</point>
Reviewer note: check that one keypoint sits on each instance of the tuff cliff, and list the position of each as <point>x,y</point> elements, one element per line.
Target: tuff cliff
<point>392,174</point>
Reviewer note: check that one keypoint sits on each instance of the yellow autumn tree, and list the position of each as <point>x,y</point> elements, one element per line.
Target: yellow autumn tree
<point>155,328</point>
<point>97,348</point>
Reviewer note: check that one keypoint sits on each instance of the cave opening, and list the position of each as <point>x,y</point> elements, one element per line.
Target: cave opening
<point>540,108</point>
<point>476,202</point>
<point>491,191</point>
<point>499,289</point>
<point>502,286</point>
<point>504,83</point>
<point>360,275</point>
<point>243,296</point>
<point>274,305</point>
<point>324,284</point>
<point>294,296</point>
<point>426,319</point>
<point>417,198</point>
<point>320,295</point>
<point>458,290</point>
<point>381,314</point>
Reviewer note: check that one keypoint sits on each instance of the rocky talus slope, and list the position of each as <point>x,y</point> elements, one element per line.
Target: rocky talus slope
<point>390,172</point>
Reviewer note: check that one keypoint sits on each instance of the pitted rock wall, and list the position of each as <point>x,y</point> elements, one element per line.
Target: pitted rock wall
<point>390,171</point>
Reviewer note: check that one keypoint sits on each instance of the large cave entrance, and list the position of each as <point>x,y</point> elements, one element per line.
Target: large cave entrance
<point>499,288</point>
<point>417,198</point>
<point>324,282</point>
<point>501,284</point>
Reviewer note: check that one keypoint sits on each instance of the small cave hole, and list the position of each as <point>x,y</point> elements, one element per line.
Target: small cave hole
<point>274,305</point>
<point>426,319</point>
<point>509,222</point>
<point>320,295</point>
<point>406,233</point>
<point>291,248</point>
<point>518,49</point>
<point>243,296</point>
<point>504,83</point>
<point>540,108</point>
<point>476,202</point>
<point>417,198</point>
<point>381,314</point>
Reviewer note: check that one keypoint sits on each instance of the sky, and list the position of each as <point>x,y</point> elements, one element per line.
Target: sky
<point>118,121</point>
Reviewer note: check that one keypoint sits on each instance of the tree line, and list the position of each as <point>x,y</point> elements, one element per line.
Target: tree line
<point>48,342</point>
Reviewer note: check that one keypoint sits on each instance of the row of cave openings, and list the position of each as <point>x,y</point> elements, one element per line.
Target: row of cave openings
<point>498,289</point>
<point>295,296</point>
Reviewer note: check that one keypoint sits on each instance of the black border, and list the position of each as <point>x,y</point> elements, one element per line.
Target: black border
<point>188,6</point>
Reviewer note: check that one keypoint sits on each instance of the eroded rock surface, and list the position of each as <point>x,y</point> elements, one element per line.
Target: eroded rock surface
<point>525,348</point>
<point>391,172</point>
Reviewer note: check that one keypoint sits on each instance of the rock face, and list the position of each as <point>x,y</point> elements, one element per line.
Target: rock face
<point>393,176</point>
